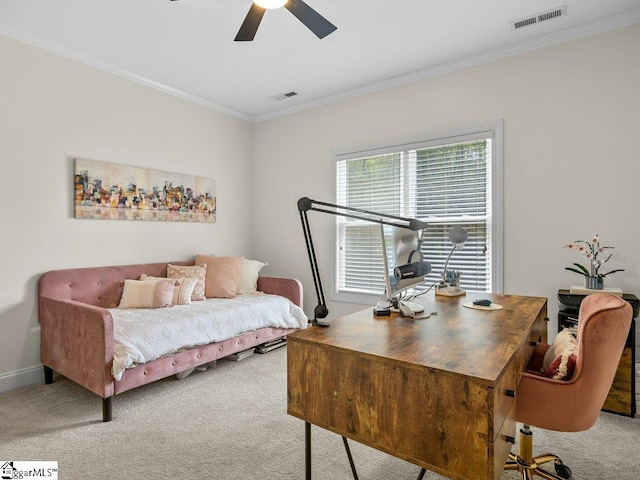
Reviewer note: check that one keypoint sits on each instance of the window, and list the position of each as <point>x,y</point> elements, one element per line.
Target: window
<point>454,179</point>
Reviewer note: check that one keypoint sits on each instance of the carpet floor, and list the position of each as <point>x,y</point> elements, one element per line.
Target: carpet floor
<point>230,422</point>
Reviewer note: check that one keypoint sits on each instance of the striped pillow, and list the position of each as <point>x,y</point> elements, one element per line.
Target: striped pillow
<point>137,294</point>
<point>182,290</point>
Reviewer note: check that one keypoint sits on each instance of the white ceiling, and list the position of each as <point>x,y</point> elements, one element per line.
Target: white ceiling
<point>187,47</point>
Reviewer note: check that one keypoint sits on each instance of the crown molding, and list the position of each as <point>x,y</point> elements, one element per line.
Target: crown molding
<point>580,31</point>
<point>105,67</point>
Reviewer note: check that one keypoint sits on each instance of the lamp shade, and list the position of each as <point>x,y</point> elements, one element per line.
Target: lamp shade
<point>270,4</point>
<point>458,236</point>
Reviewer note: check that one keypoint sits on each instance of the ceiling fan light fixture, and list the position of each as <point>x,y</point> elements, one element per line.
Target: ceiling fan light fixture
<point>320,26</point>
<point>270,4</point>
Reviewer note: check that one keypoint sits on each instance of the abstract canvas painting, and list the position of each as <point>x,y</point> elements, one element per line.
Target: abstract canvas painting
<point>119,192</point>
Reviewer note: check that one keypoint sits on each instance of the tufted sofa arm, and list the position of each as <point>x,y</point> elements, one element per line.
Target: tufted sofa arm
<point>77,341</point>
<point>290,288</point>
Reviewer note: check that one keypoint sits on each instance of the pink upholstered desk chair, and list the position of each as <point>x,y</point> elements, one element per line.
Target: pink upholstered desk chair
<point>571,405</point>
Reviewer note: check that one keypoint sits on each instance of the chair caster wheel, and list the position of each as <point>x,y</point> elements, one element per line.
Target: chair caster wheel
<point>563,471</point>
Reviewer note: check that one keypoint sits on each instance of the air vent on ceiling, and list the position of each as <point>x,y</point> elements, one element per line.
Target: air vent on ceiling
<point>540,17</point>
<point>282,96</point>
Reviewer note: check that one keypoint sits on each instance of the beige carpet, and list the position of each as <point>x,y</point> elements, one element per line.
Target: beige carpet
<point>230,423</point>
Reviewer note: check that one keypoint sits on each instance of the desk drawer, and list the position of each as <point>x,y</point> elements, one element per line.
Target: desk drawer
<point>504,396</point>
<point>502,444</point>
<point>537,334</point>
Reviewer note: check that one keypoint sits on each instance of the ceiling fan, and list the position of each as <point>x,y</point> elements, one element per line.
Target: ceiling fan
<point>315,22</point>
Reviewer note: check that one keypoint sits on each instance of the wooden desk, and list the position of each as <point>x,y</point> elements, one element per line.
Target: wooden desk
<point>435,392</point>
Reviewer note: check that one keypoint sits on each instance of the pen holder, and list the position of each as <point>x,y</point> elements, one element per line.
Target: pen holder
<point>449,286</point>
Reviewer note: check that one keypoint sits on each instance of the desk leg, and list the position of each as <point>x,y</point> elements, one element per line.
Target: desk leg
<point>307,455</point>
<point>353,466</point>
<point>307,450</point>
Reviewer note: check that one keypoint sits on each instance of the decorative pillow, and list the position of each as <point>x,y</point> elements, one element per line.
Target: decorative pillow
<point>562,367</point>
<point>222,275</point>
<point>248,281</point>
<point>137,294</point>
<point>560,359</point>
<point>198,271</point>
<point>182,290</point>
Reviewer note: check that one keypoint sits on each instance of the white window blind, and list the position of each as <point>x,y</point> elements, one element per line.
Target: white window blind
<point>446,182</point>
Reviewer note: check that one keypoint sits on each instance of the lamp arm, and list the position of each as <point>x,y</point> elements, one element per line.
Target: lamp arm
<point>446,264</point>
<point>305,204</point>
<point>321,310</point>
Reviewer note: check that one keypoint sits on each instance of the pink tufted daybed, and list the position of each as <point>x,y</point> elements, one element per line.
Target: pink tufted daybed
<point>77,329</point>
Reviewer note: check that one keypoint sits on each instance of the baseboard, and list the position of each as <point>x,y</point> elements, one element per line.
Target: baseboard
<point>21,378</point>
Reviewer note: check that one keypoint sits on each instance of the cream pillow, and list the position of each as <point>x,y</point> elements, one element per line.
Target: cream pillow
<point>248,281</point>
<point>182,290</point>
<point>198,272</point>
<point>222,275</point>
<point>137,294</point>
<point>559,359</point>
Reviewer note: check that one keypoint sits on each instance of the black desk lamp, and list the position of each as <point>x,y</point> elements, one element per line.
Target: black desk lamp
<point>305,204</point>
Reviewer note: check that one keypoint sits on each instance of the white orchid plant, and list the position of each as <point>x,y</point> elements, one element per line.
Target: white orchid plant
<point>596,255</point>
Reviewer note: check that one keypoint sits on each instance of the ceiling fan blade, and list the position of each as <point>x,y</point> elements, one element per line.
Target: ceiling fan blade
<point>250,25</point>
<point>312,19</point>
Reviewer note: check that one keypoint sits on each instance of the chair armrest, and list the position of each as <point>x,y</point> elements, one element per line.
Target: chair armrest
<point>290,288</point>
<point>547,403</point>
<point>76,340</point>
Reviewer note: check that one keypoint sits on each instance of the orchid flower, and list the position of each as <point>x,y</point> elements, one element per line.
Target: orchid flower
<point>591,251</point>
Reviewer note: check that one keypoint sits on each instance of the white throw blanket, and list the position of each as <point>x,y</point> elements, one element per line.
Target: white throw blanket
<point>143,335</point>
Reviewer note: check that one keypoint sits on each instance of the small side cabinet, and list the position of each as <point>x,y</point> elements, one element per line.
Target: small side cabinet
<point>622,396</point>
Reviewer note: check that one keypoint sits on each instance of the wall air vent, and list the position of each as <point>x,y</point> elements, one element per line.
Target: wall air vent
<point>282,96</point>
<point>538,18</point>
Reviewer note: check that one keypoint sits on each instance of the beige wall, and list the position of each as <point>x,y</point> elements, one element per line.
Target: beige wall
<point>571,165</point>
<point>52,110</point>
<point>571,122</point>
